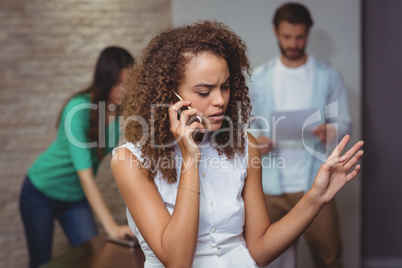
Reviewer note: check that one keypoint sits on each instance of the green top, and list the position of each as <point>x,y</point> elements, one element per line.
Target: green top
<point>54,173</point>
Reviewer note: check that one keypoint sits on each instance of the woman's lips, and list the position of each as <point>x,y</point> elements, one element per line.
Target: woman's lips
<point>217,117</point>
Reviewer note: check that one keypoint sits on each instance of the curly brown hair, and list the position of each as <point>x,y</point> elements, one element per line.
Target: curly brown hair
<point>161,70</point>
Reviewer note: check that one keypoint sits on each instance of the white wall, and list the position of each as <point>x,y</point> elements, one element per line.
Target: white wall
<point>335,37</point>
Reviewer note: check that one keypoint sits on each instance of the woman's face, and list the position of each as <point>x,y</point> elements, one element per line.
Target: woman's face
<point>116,94</point>
<point>206,85</point>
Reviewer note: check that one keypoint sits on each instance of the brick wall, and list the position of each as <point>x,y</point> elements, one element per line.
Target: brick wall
<point>48,51</point>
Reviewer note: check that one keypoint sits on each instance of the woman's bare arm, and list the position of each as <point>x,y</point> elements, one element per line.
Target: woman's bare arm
<point>173,238</point>
<point>266,241</point>
<point>99,207</point>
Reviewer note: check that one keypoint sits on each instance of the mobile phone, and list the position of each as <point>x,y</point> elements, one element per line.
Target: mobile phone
<point>197,135</point>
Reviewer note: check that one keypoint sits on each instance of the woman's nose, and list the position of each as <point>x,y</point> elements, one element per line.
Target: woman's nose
<point>218,99</point>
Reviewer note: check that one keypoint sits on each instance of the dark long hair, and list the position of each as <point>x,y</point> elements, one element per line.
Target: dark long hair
<point>111,62</point>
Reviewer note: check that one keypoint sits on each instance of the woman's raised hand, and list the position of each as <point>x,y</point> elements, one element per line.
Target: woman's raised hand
<point>337,170</point>
<point>182,132</point>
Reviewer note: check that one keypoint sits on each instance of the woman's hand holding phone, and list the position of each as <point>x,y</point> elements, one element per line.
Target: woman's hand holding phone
<point>184,126</point>
<point>197,135</point>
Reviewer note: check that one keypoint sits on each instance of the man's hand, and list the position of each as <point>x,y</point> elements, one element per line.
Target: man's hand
<point>265,145</point>
<point>326,133</point>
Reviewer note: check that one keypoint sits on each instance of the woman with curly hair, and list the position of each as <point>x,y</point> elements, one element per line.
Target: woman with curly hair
<point>61,182</point>
<point>199,202</point>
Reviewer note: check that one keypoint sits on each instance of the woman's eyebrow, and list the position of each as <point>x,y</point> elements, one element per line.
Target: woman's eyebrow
<point>211,85</point>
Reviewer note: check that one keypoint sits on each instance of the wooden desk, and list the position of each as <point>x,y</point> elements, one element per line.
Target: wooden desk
<point>98,252</point>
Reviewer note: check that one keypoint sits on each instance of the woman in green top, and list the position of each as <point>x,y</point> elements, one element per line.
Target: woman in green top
<point>60,184</point>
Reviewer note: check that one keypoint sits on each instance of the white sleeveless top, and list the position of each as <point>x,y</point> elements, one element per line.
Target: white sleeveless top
<point>220,235</point>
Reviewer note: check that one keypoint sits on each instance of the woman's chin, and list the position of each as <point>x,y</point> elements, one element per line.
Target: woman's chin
<point>213,125</point>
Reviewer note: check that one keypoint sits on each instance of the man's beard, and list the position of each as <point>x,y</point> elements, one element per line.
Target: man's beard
<point>297,56</point>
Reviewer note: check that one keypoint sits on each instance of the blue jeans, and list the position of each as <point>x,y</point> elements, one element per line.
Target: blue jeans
<point>38,213</point>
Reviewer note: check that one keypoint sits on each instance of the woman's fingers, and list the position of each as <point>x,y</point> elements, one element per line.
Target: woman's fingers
<point>173,111</point>
<point>354,173</point>
<point>197,126</point>
<point>341,145</point>
<point>350,158</point>
<point>334,160</point>
<point>188,115</point>
<point>179,118</point>
<point>354,148</point>
<point>179,127</point>
<point>352,161</point>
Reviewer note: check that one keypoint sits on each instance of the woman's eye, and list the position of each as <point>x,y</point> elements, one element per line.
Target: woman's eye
<point>203,93</point>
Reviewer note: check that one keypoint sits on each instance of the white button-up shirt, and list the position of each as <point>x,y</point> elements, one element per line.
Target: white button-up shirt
<point>220,235</point>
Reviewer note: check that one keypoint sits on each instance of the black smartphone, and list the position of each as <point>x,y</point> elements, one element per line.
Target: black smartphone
<point>197,135</point>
